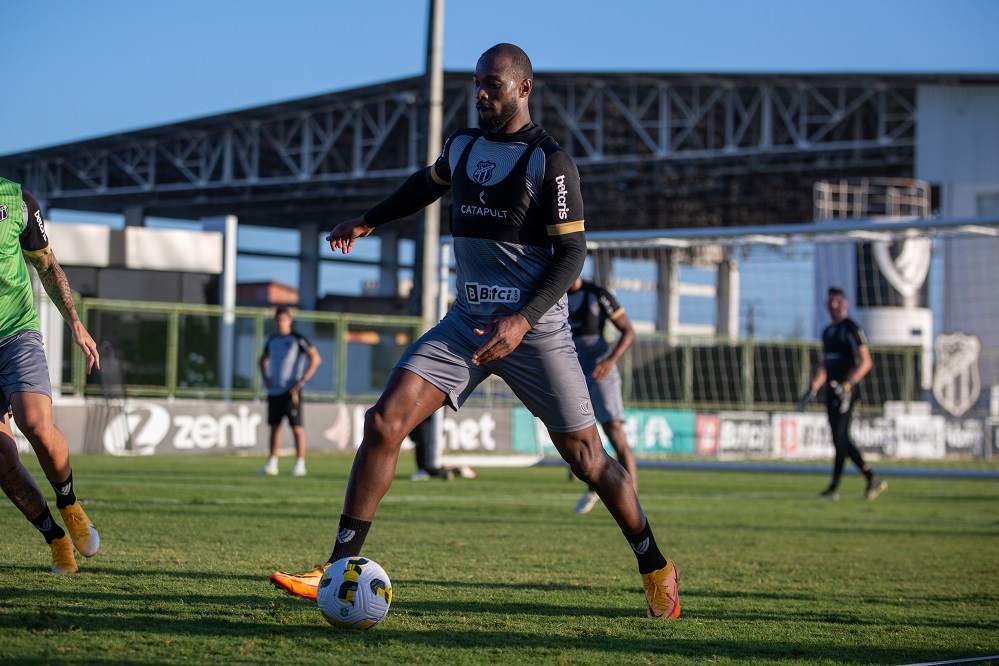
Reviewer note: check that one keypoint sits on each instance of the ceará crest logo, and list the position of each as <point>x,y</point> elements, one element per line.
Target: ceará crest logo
<point>483,172</point>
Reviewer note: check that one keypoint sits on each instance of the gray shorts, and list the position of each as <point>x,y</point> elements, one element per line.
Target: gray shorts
<point>23,367</point>
<point>542,371</point>
<point>608,402</point>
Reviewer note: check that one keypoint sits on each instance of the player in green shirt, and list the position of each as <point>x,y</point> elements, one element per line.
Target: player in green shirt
<point>25,390</point>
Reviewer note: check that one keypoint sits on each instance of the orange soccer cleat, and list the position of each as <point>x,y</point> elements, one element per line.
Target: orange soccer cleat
<point>302,585</point>
<point>81,530</point>
<point>662,591</point>
<point>63,560</point>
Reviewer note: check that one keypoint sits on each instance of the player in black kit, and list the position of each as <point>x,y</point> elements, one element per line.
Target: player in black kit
<point>517,223</point>
<point>845,361</point>
<point>590,307</point>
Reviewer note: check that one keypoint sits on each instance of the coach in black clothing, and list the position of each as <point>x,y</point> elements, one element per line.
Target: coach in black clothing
<point>845,361</point>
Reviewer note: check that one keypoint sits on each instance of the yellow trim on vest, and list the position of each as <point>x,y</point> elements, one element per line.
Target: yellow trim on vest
<point>39,253</point>
<point>438,179</point>
<point>564,228</point>
<point>617,313</point>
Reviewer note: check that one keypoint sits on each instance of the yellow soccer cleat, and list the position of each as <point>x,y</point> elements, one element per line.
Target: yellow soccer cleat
<point>302,585</point>
<point>62,555</point>
<point>80,529</point>
<point>662,591</point>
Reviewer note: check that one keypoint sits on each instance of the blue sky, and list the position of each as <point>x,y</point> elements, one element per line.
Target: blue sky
<point>108,66</point>
<point>96,68</point>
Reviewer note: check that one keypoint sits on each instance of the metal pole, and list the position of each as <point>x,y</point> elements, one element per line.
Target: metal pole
<point>435,120</point>
<point>436,447</point>
<point>228,225</point>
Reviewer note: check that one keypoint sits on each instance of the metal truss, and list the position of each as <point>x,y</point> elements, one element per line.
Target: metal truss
<point>352,146</point>
<point>340,141</point>
<point>643,118</point>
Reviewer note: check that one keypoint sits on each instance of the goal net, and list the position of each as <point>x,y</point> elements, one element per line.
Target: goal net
<point>728,323</point>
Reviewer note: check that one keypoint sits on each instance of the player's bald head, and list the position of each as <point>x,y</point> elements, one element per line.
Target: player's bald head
<point>514,57</point>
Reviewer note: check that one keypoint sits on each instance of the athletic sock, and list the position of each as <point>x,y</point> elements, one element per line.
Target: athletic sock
<point>649,556</point>
<point>64,492</point>
<point>47,526</point>
<point>350,537</point>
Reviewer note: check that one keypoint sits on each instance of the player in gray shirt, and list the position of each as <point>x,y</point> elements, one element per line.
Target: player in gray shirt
<point>517,223</point>
<point>287,362</point>
<point>590,307</point>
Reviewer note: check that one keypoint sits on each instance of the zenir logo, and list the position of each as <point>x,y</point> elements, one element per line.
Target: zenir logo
<point>3,212</point>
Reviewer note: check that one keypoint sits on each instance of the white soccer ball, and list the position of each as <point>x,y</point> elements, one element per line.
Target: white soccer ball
<point>354,593</point>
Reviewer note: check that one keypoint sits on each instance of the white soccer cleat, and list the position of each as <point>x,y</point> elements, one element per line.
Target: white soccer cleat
<point>299,469</point>
<point>587,502</point>
<point>875,487</point>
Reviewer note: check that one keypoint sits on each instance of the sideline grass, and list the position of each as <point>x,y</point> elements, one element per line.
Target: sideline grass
<point>498,570</point>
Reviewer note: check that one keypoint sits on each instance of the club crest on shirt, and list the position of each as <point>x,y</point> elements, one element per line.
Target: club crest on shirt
<point>3,212</point>
<point>483,172</point>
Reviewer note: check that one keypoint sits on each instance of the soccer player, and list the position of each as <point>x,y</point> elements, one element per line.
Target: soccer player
<point>590,306</point>
<point>287,362</point>
<point>845,361</point>
<point>25,391</point>
<point>422,437</point>
<point>517,222</point>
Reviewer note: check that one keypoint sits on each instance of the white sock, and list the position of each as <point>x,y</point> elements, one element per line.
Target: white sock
<point>272,461</point>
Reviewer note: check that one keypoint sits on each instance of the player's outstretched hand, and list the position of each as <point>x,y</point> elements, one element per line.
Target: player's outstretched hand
<point>344,234</point>
<point>503,337</point>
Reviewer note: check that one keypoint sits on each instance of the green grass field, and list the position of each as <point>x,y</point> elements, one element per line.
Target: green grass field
<point>499,570</point>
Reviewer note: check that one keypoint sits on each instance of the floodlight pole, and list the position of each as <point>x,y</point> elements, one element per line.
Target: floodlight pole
<point>434,94</point>
<point>435,120</point>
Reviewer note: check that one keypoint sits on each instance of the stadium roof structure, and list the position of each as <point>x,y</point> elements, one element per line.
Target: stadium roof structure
<point>655,150</point>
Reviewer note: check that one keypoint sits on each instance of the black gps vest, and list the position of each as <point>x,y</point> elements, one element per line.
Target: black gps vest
<point>501,211</point>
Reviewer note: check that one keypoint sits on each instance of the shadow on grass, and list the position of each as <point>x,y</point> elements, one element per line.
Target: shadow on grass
<point>614,633</point>
<point>94,570</point>
<point>632,636</point>
<point>260,596</point>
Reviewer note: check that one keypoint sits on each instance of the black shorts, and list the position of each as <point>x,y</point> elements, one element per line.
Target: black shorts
<point>281,406</point>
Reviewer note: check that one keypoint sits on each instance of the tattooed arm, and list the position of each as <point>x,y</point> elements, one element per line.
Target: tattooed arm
<point>53,278</point>
<point>56,285</point>
<point>35,244</point>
